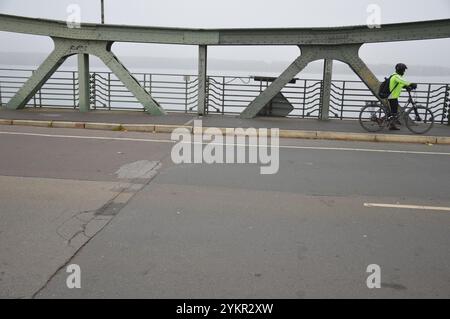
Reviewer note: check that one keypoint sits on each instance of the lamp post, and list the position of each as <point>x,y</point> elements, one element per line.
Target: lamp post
<point>103,11</point>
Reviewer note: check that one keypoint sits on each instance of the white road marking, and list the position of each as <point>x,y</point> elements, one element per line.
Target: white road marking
<point>247,145</point>
<point>407,206</point>
<point>91,137</point>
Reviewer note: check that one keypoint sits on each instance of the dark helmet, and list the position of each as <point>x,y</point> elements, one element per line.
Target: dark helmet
<point>400,68</point>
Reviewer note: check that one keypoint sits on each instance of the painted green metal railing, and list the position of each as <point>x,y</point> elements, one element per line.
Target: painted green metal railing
<point>225,94</point>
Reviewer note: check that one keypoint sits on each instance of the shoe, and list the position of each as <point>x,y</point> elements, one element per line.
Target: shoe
<point>393,128</point>
<point>377,120</point>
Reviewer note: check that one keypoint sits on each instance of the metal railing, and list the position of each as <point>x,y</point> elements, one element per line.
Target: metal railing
<point>233,94</point>
<point>347,98</point>
<point>225,94</point>
<point>60,90</point>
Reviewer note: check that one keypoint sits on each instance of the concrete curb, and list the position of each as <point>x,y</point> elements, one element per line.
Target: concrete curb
<point>5,122</point>
<point>343,136</point>
<point>138,127</point>
<point>160,128</point>
<point>63,124</point>
<point>406,138</point>
<point>103,126</point>
<point>32,123</point>
<point>298,134</point>
<point>443,140</point>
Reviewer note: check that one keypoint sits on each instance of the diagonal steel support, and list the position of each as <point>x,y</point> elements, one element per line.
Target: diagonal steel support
<point>347,53</point>
<point>39,77</point>
<point>274,88</point>
<point>65,48</point>
<point>112,62</point>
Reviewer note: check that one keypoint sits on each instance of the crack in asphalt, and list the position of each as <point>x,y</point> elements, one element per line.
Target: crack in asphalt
<point>134,186</point>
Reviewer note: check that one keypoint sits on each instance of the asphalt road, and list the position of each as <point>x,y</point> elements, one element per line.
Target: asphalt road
<point>140,226</point>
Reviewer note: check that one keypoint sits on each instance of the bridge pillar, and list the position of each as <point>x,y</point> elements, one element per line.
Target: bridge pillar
<point>268,94</point>
<point>38,78</point>
<point>326,89</point>
<point>102,49</point>
<point>83,82</point>
<point>202,77</point>
<point>347,53</point>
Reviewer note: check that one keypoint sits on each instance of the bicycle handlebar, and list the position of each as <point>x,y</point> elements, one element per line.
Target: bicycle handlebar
<point>411,87</point>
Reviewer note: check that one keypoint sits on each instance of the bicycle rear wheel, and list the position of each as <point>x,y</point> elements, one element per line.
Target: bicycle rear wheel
<point>373,118</point>
<point>419,122</point>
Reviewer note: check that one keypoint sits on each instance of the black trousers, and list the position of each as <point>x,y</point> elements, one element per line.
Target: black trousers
<point>393,103</point>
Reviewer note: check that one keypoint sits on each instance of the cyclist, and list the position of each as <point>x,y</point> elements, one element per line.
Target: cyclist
<point>396,84</point>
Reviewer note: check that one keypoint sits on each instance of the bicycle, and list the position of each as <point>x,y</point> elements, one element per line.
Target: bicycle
<point>417,118</point>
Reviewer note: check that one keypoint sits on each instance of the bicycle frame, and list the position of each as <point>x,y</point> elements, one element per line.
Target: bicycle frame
<point>403,109</point>
<point>383,117</point>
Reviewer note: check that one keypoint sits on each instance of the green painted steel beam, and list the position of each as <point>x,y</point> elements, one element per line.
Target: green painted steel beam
<point>112,62</point>
<point>57,57</point>
<point>326,89</point>
<point>344,53</point>
<point>340,43</point>
<point>104,32</point>
<point>275,87</point>
<point>83,82</point>
<point>291,36</point>
<point>102,49</point>
<point>202,86</point>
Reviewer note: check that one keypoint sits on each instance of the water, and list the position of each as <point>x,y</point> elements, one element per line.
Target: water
<point>173,99</point>
<point>240,73</point>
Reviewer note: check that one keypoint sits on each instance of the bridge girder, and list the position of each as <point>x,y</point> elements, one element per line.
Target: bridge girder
<point>68,47</point>
<point>345,53</point>
<point>340,43</point>
<point>260,36</point>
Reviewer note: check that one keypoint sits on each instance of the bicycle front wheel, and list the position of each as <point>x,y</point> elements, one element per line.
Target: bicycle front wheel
<point>373,118</point>
<point>419,119</point>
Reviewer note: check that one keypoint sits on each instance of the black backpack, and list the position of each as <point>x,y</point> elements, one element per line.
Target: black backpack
<point>383,91</point>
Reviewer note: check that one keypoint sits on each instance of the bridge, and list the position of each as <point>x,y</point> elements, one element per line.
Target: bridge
<point>328,44</point>
<point>102,190</point>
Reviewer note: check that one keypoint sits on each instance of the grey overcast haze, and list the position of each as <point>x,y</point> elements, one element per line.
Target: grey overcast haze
<point>225,181</point>
<point>240,14</point>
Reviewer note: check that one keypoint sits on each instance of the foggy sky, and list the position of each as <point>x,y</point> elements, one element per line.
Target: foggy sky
<point>236,14</point>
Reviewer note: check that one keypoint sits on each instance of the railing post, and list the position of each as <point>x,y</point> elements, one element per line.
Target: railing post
<point>109,90</point>
<point>1,100</point>
<point>34,96</point>
<point>428,94</point>
<point>74,89</point>
<point>446,105</point>
<point>202,85</point>
<point>326,89</point>
<point>150,84</point>
<point>186,81</point>
<point>223,95</point>
<point>206,110</point>
<point>145,81</point>
<point>343,99</point>
<point>92,91</point>
<point>40,97</point>
<point>304,97</point>
<point>83,82</point>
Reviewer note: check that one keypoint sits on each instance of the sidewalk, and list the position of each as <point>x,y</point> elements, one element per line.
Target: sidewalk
<point>289,127</point>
